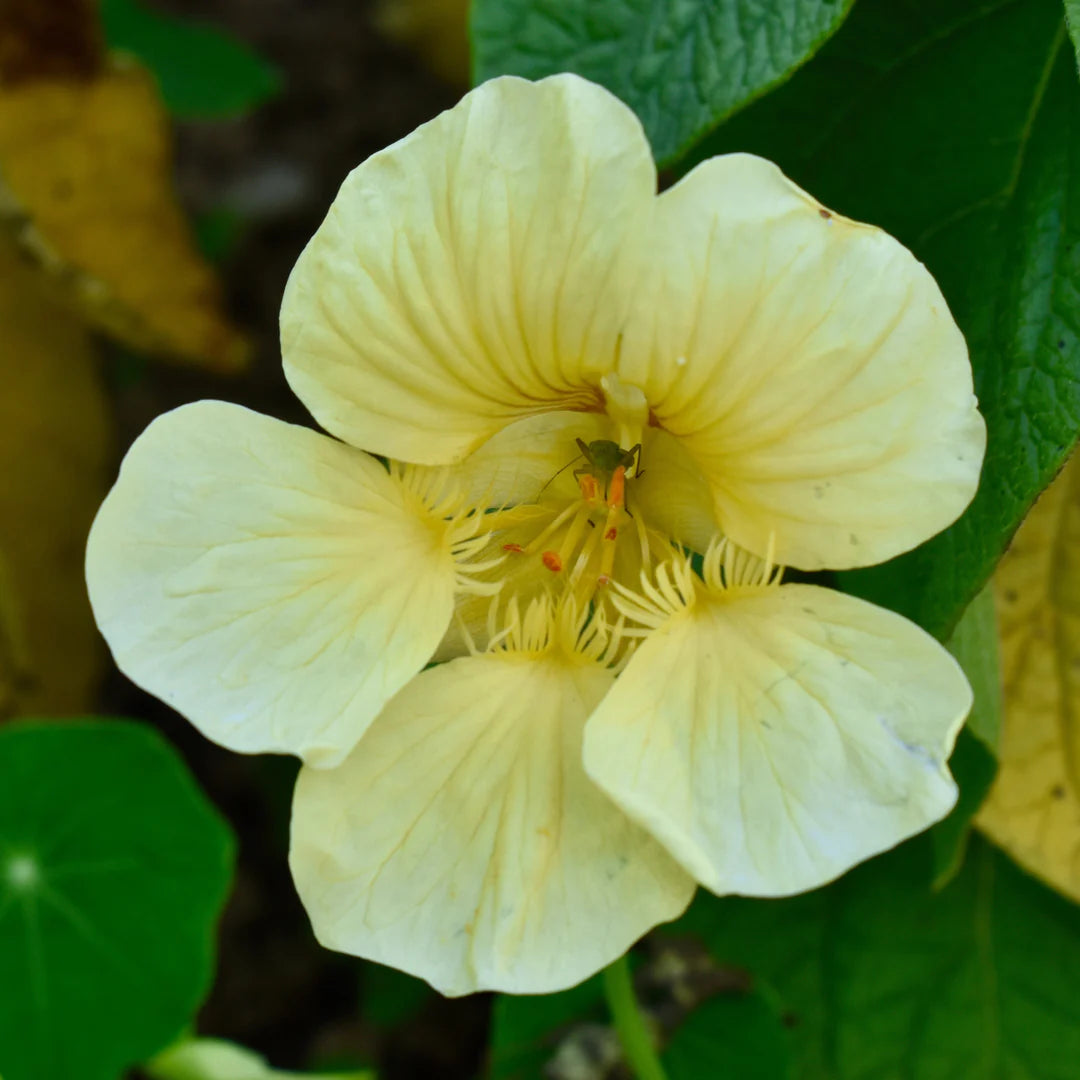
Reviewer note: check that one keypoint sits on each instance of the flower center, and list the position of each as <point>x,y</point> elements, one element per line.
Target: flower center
<point>578,545</point>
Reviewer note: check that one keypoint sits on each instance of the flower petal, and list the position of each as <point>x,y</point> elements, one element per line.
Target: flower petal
<point>462,841</point>
<point>671,493</point>
<point>810,366</point>
<point>271,584</point>
<point>473,272</point>
<point>773,738</point>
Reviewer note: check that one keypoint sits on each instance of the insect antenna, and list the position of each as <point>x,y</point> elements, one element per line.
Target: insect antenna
<point>556,475</point>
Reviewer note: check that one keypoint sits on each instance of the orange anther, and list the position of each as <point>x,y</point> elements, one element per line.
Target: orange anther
<point>617,488</point>
<point>552,561</point>
<point>602,580</point>
<point>589,488</point>
<point>611,533</point>
<point>513,547</point>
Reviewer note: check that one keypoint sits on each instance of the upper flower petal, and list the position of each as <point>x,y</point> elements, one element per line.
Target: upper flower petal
<point>774,738</point>
<point>273,585</point>
<point>473,272</point>
<point>462,841</point>
<point>808,363</point>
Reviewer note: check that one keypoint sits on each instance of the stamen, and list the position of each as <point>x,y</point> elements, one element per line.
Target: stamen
<point>579,539</point>
<point>672,593</point>
<point>555,523</point>
<point>466,634</point>
<point>643,540</point>
<point>581,633</point>
<point>607,553</point>
<point>590,490</point>
<point>617,488</point>
<point>728,567</point>
<point>439,499</point>
<point>585,556</point>
<point>574,534</point>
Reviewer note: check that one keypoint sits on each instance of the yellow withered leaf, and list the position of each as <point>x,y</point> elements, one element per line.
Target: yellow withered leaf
<point>54,437</point>
<point>85,187</point>
<point>1033,810</point>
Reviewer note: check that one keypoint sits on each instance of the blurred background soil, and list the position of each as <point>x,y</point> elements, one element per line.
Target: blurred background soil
<point>346,92</point>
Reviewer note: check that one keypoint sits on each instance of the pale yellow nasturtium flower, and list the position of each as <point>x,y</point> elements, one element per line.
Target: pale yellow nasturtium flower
<point>497,285</point>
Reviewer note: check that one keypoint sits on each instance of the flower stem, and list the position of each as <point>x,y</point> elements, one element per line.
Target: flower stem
<point>629,1022</point>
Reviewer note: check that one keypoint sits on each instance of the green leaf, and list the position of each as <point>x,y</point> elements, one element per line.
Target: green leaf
<point>391,997</point>
<point>113,870</point>
<point>955,124</point>
<point>1072,16</point>
<point>887,980</point>
<point>203,73</point>
<point>730,1035</point>
<point>974,768</point>
<point>215,1059</point>
<point>973,763</point>
<point>681,65</point>
<point>525,1029</point>
<point>975,644</point>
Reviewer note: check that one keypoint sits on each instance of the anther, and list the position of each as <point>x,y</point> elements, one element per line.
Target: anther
<point>611,534</point>
<point>552,561</point>
<point>617,488</point>
<point>589,488</point>
<point>517,548</point>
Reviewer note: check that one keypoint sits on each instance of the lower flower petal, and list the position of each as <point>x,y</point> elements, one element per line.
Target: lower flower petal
<point>773,738</point>
<point>463,842</point>
<point>271,584</point>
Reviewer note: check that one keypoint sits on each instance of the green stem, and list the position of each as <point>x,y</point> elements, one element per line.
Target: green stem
<point>629,1023</point>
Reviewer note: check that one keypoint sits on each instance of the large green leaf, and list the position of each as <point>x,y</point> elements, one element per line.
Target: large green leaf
<point>1072,14</point>
<point>113,869</point>
<point>736,1035</point>
<point>888,981</point>
<point>955,124</point>
<point>973,763</point>
<point>203,73</point>
<point>682,65</point>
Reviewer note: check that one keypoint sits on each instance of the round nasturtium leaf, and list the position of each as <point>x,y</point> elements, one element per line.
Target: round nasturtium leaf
<point>113,871</point>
